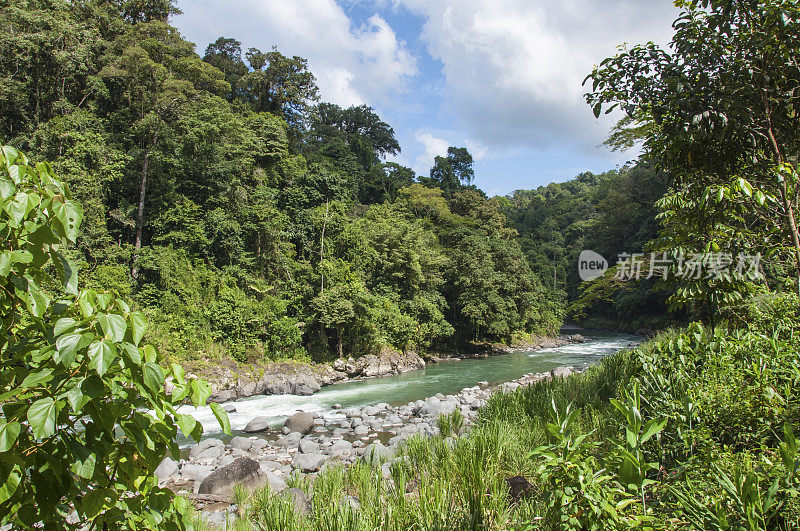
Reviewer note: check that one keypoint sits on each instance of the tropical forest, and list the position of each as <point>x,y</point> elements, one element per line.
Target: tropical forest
<point>231,299</point>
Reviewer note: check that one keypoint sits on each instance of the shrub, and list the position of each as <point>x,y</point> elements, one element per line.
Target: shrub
<point>77,381</point>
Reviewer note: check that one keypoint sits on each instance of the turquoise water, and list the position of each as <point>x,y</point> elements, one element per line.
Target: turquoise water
<point>447,377</point>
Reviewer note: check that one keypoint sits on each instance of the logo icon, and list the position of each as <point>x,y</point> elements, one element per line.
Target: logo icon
<point>591,265</point>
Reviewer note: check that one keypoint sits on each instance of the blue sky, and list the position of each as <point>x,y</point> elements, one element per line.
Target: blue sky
<point>501,77</point>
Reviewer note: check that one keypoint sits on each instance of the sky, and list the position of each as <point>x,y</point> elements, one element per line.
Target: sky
<point>500,77</point>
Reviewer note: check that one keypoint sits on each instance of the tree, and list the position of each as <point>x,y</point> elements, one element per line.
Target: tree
<point>156,73</point>
<point>77,379</point>
<point>360,126</point>
<point>340,305</point>
<point>279,85</point>
<point>48,57</point>
<point>724,123</point>
<point>355,136</point>
<point>452,172</point>
<point>226,54</point>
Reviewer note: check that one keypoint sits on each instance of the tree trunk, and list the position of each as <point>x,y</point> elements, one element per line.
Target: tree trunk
<point>339,349</point>
<point>787,202</point>
<point>140,217</point>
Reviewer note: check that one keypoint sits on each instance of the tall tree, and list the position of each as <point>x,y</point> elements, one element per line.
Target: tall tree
<point>226,54</point>
<point>156,72</point>
<point>723,107</point>
<point>452,172</point>
<point>278,84</point>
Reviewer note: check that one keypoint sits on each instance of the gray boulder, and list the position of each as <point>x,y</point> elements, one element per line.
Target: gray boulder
<point>241,443</point>
<point>193,472</point>
<point>377,453</point>
<point>306,385</point>
<point>243,471</point>
<point>247,389</point>
<point>307,446</point>
<point>292,439</point>
<point>166,468</point>
<point>275,483</point>
<point>259,444</point>
<point>300,422</point>
<point>223,395</point>
<point>257,424</point>
<point>207,449</point>
<point>341,448</point>
<point>276,385</point>
<point>308,462</point>
<point>432,407</point>
<point>561,372</point>
<point>225,460</point>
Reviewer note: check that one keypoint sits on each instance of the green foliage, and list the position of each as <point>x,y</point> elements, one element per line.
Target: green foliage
<point>722,124</point>
<point>450,423</point>
<point>77,380</point>
<point>610,213</point>
<point>206,185</point>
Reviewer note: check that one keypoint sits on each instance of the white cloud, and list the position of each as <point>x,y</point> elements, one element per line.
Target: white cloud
<point>514,68</point>
<point>353,65</point>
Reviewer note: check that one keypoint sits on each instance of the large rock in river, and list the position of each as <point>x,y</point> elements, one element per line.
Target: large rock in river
<point>207,450</point>
<point>257,424</point>
<point>300,422</point>
<point>386,361</point>
<point>243,471</point>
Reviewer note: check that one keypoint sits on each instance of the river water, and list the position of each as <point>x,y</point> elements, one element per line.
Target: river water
<point>446,377</point>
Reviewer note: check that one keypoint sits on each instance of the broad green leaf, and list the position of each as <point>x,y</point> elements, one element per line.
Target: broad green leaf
<point>95,502</point>
<point>69,214</point>
<point>16,209</point>
<point>138,326</point>
<point>186,423</point>
<point>35,378</point>
<point>10,483</point>
<point>9,258</point>
<point>70,272</point>
<point>8,434</point>
<point>222,417</point>
<point>85,468</point>
<point>102,300</point>
<point>37,300</point>
<point>113,326</point>
<point>67,346</point>
<point>64,324</point>
<point>178,373</point>
<point>200,392</point>
<point>150,353</point>
<point>76,398</point>
<point>153,376</point>
<point>5,263</point>
<point>101,356</point>
<point>133,353</point>
<point>42,417</point>
<point>652,428</point>
<point>7,188</point>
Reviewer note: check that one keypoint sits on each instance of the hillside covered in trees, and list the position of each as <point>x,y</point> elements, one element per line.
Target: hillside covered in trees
<point>242,214</point>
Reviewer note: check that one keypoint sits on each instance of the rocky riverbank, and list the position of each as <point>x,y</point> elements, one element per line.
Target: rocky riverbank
<point>230,383</point>
<point>308,442</point>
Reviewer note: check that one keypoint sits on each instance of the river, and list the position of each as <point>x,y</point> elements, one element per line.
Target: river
<point>446,377</point>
